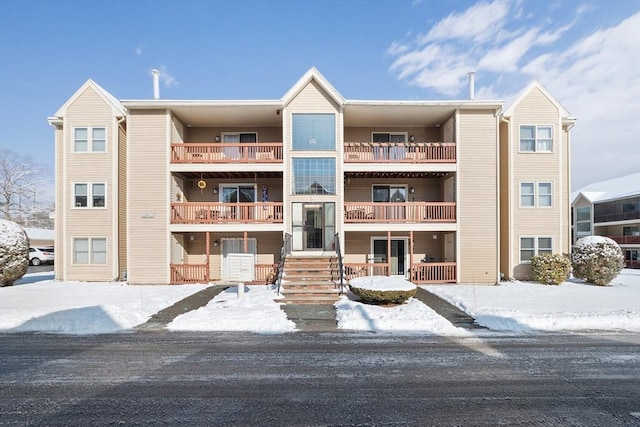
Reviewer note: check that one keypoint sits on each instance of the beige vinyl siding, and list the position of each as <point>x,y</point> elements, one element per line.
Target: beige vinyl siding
<point>537,110</point>
<point>477,163</point>
<point>177,130</point>
<point>505,205</point>
<point>122,199</point>
<point>90,110</point>
<point>312,99</point>
<point>448,130</point>
<point>148,197</point>
<point>60,212</point>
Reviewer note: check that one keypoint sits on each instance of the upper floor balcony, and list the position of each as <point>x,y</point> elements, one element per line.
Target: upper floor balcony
<point>399,212</point>
<point>219,152</point>
<point>390,152</point>
<point>225,213</point>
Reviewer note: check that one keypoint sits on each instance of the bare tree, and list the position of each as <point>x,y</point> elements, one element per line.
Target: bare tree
<point>20,179</point>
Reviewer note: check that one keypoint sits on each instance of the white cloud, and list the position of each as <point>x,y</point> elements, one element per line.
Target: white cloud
<point>478,23</point>
<point>139,51</point>
<point>595,76</point>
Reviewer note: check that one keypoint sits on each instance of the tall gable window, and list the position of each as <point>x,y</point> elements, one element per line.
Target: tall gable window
<point>535,139</point>
<point>314,132</point>
<point>90,139</point>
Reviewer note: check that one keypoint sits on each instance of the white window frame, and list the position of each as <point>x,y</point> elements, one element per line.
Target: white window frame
<point>537,141</point>
<point>89,141</point>
<point>224,134</point>
<point>537,250</point>
<point>405,134</point>
<point>536,195</point>
<point>90,252</point>
<point>89,195</point>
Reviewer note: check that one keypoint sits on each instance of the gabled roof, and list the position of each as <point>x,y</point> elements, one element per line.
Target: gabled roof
<point>116,106</point>
<point>510,107</point>
<point>312,74</point>
<point>616,188</point>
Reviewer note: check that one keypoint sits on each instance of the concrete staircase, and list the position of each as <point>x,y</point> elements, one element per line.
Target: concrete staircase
<point>308,280</point>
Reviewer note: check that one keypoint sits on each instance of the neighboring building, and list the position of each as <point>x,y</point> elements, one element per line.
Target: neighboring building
<point>612,209</point>
<point>40,237</point>
<point>436,191</point>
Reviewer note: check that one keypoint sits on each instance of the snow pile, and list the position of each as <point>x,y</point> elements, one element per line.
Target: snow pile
<point>410,317</point>
<point>256,312</point>
<point>83,308</point>
<point>574,305</point>
<point>382,283</point>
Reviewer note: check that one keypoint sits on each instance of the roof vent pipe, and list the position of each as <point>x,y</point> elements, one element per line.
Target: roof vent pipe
<point>156,83</point>
<point>472,84</point>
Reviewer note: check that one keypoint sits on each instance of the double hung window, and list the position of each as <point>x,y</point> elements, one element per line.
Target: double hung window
<point>536,194</point>
<point>531,246</point>
<point>89,195</point>
<point>89,139</point>
<point>536,139</point>
<point>90,250</point>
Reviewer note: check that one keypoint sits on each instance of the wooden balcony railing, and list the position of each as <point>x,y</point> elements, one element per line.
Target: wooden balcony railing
<point>198,273</point>
<point>626,240</point>
<point>413,152</point>
<point>189,273</point>
<point>433,272</point>
<point>241,152</point>
<point>416,212</point>
<point>421,273</point>
<point>353,270</point>
<point>217,213</point>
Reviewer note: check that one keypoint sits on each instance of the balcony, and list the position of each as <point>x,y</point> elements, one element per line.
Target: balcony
<point>267,152</point>
<point>221,213</point>
<point>199,273</point>
<point>404,212</point>
<point>626,240</point>
<point>385,152</point>
<point>420,273</point>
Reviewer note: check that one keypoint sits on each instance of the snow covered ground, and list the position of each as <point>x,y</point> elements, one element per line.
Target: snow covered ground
<point>38,303</point>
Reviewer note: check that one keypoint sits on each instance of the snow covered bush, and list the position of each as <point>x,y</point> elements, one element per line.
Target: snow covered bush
<point>597,259</point>
<point>382,289</point>
<point>550,269</point>
<point>14,252</point>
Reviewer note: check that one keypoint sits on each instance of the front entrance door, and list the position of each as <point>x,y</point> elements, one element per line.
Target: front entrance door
<point>312,236</point>
<point>398,261</point>
<point>313,226</point>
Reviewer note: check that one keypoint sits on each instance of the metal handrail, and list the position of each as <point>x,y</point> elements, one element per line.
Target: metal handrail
<point>284,251</point>
<point>340,264</point>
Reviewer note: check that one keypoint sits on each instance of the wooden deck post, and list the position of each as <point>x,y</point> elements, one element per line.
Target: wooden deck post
<point>208,273</point>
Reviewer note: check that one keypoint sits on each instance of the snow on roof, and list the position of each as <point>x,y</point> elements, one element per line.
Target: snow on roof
<point>616,188</point>
<point>40,234</point>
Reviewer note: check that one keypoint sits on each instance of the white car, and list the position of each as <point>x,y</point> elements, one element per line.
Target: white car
<point>38,256</point>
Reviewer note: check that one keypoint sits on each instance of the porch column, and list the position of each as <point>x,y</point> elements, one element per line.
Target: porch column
<point>246,243</point>
<point>207,276</point>
<point>388,253</point>
<point>410,255</point>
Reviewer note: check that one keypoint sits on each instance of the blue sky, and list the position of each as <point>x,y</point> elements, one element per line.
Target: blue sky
<point>586,53</point>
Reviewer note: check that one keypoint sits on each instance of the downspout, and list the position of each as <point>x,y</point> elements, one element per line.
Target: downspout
<point>503,119</point>
<point>498,180</point>
<point>116,182</point>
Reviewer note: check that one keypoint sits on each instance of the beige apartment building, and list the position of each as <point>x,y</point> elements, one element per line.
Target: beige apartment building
<point>162,191</point>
